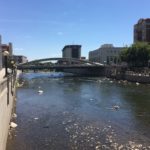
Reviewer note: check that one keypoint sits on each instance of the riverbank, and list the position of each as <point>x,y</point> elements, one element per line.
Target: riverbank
<point>135,75</point>
<point>7,102</point>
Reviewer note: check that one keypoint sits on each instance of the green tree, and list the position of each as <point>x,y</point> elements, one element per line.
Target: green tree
<point>136,55</point>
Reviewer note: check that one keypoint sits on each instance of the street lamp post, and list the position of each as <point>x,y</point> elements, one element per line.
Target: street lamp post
<point>12,75</point>
<point>6,53</point>
<point>12,66</point>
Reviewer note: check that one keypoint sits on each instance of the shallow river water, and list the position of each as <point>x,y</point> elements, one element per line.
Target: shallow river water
<point>77,113</point>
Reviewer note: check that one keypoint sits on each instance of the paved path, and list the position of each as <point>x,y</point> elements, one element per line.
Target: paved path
<point>2,73</point>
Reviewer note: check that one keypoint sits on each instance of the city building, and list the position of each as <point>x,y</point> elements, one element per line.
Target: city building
<point>106,54</point>
<point>71,51</point>
<point>6,47</point>
<point>142,31</point>
<point>19,59</point>
<point>83,58</point>
<point>0,53</point>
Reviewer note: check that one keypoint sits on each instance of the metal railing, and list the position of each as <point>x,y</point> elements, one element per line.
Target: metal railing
<point>9,83</point>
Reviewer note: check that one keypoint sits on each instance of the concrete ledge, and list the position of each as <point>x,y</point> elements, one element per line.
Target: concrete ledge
<point>5,114</point>
<point>135,78</point>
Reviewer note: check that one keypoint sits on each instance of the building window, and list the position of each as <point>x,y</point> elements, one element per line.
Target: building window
<point>75,53</point>
<point>107,59</point>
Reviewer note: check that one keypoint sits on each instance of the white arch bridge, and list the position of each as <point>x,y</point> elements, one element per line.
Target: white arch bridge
<point>68,65</point>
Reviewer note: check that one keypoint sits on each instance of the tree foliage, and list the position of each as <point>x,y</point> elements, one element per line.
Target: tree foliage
<point>137,55</point>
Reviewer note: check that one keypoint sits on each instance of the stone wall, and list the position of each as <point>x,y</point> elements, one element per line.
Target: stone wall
<point>0,59</point>
<point>137,78</point>
<point>0,54</point>
<point>6,106</point>
<point>124,74</point>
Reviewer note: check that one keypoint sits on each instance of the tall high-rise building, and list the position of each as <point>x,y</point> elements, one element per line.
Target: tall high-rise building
<point>142,31</point>
<point>71,51</point>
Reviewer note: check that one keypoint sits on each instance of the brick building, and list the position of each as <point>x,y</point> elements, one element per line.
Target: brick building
<point>142,31</point>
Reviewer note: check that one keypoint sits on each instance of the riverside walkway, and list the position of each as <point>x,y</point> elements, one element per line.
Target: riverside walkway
<point>2,73</point>
<point>7,97</point>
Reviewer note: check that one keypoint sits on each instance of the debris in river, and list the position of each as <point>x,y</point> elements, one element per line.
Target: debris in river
<point>116,107</point>
<point>40,91</point>
<point>91,99</point>
<point>100,81</point>
<point>97,147</point>
<point>120,147</point>
<point>13,125</point>
<point>18,85</point>
<point>14,115</point>
<point>137,83</point>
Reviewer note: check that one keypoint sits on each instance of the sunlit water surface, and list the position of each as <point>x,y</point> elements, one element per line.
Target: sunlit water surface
<point>80,113</point>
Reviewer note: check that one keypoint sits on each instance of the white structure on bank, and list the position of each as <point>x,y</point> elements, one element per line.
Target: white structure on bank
<point>106,54</point>
<point>19,59</point>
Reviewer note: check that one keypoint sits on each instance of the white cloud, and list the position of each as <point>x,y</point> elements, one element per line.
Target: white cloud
<point>60,33</point>
<point>18,49</point>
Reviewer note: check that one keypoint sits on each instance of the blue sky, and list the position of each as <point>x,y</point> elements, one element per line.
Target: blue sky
<point>41,28</point>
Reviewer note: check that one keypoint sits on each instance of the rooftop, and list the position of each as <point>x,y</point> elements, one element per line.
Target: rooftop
<point>71,46</point>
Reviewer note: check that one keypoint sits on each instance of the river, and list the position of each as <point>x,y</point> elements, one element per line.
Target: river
<point>80,113</point>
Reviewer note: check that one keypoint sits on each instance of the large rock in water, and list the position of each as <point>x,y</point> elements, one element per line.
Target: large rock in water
<point>13,125</point>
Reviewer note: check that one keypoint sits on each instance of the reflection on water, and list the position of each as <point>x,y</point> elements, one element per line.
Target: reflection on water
<point>79,113</point>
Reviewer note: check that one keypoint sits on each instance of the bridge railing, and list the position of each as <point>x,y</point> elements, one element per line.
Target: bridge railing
<point>68,61</point>
<point>58,65</point>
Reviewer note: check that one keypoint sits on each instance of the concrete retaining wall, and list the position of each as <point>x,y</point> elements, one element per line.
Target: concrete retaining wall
<point>136,78</point>
<point>6,106</point>
<point>120,74</point>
